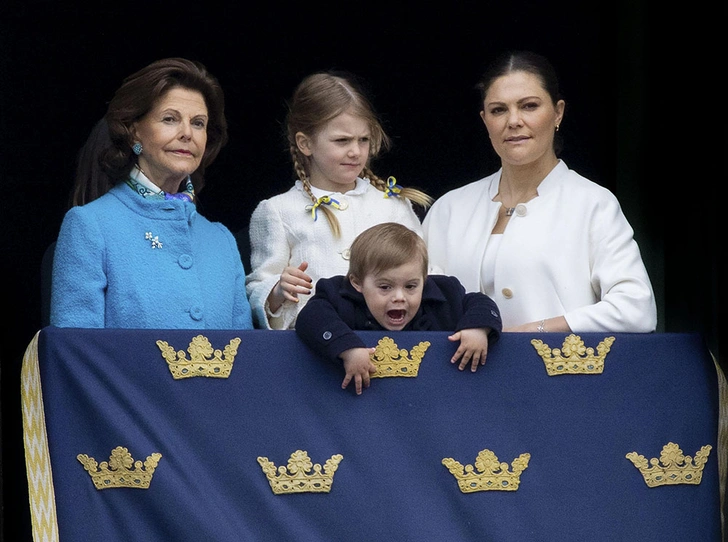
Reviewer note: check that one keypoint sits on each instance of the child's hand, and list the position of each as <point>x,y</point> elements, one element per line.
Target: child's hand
<point>293,281</point>
<point>473,347</point>
<point>358,366</point>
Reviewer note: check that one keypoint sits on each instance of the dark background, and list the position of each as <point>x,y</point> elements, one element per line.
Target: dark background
<point>645,117</point>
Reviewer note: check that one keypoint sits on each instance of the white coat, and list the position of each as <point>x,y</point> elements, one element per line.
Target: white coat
<point>568,252</point>
<point>283,233</point>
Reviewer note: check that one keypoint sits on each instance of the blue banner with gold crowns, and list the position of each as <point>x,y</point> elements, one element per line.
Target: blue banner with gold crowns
<point>230,436</point>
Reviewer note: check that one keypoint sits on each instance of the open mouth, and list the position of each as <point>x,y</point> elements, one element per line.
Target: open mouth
<point>396,317</point>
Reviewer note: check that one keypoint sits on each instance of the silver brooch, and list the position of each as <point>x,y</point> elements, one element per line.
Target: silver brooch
<point>156,243</point>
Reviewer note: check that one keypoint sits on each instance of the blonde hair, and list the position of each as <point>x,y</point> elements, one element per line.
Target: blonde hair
<point>318,99</point>
<point>385,246</point>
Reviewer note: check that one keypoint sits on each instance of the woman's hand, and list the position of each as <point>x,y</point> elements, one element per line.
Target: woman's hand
<point>293,282</point>
<point>473,347</point>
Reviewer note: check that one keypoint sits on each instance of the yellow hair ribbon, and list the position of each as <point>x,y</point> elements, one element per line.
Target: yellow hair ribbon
<point>323,200</point>
<point>392,189</point>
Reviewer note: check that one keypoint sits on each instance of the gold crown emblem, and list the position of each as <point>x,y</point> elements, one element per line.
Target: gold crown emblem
<point>203,360</point>
<point>117,471</point>
<point>491,475</point>
<point>673,467</point>
<point>301,475</point>
<point>391,361</point>
<point>573,357</point>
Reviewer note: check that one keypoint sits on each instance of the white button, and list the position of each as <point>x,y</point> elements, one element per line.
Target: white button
<point>346,253</point>
<point>507,293</point>
<point>327,335</point>
<point>343,205</point>
<point>521,210</point>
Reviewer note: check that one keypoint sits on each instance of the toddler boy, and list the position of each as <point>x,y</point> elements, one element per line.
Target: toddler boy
<point>388,288</point>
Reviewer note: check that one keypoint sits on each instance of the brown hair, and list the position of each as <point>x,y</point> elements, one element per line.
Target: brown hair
<point>529,62</point>
<point>386,246</point>
<point>321,97</point>
<point>109,145</point>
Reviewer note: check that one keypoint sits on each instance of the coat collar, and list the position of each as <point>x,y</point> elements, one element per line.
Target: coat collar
<point>173,209</point>
<point>547,185</point>
<point>361,187</point>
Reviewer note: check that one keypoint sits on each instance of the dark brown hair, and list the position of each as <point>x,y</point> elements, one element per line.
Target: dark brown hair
<point>529,62</point>
<point>107,158</point>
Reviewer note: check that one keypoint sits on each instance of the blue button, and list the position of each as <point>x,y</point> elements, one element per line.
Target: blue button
<point>185,261</point>
<point>196,313</point>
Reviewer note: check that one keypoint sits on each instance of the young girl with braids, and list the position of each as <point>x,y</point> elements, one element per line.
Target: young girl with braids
<point>304,234</point>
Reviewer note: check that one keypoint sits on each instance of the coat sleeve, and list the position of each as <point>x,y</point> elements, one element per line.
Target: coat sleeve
<point>270,254</point>
<point>456,310</point>
<point>320,324</point>
<point>242,317</point>
<point>78,287</point>
<point>434,231</point>
<point>618,276</point>
<point>480,311</point>
<point>477,309</point>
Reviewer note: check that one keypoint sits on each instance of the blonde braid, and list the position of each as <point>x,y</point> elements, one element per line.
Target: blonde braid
<point>412,194</point>
<point>303,176</point>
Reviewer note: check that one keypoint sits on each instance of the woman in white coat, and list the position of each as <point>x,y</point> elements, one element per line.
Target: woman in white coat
<point>553,249</point>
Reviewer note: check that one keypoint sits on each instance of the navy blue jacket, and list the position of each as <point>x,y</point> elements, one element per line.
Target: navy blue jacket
<point>328,320</point>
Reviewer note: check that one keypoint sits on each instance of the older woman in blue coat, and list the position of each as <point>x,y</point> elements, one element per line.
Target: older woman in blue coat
<point>133,251</point>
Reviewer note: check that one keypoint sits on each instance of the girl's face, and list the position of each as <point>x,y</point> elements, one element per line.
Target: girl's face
<point>337,153</point>
<point>521,118</point>
<point>174,136</point>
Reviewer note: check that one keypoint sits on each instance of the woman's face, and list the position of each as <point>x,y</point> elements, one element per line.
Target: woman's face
<point>173,136</point>
<point>521,118</point>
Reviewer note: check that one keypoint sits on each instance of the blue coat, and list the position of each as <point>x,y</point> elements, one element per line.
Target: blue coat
<point>124,261</point>
<point>327,322</point>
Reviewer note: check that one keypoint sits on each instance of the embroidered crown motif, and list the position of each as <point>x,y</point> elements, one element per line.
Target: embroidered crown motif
<point>491,475</point>
<point>391,361</point>
<point>203,360</point>
<point>117,471</point>
<point>301,475</point>
<point>573,357</point>
<point>673,467</point>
